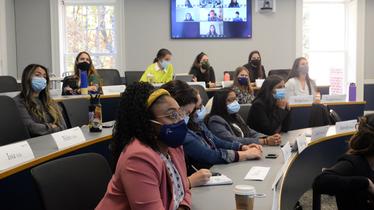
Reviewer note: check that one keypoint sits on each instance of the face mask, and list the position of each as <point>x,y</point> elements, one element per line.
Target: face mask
<point>233,107</point>
<point>200,114</point>
<point>83,66</point>
<point>38,84</point>
<point>243,80</point>
<point>255,62</point>
<point>280,93</point>
<point>205,65</point>
<point>164,64</point>
<point>173,135</point>
<point>186,119</point>
<point>304,69</point>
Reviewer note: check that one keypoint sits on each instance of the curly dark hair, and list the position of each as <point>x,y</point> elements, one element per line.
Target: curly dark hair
<point>133,119</point>
<point>362,143</point>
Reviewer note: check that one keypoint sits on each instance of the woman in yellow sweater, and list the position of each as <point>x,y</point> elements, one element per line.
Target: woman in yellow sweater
<point>161,71</point>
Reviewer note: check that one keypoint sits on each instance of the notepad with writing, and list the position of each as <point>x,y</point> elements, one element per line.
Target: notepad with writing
<point>257,173</point>
<point>218,180</point>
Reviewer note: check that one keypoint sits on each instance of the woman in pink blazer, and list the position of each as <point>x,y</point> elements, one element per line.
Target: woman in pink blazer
<point>150,172</point>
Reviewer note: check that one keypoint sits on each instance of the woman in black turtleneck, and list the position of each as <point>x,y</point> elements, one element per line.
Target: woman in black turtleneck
<point>256,69</point>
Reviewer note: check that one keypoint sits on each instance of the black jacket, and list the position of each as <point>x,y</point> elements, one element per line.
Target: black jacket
<point>207,77</point>
<point>253,73</point>
<point>348,181</point>
<point>262,119</point>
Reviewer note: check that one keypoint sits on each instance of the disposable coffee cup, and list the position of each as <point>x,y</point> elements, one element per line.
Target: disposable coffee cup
<point>244,197</point>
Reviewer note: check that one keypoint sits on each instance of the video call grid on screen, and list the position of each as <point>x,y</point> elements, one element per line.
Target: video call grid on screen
<point>211,19</point>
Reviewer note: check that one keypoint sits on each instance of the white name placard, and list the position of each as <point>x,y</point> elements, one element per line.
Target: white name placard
<point>259,82</point>
<point>113,89</point>
<point>202,84</point>
<point>302,142</point>
<point>345,126</point>
<point>333,98</point>
<point>68,137</point>
<point>286,150</point>
<point>319,132</point>
<point>14,154</point>
<point>307,99</point>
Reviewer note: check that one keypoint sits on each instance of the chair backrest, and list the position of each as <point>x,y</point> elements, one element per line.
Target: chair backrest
<point>132,76</point>
<point>110,76</point>
<point>76,111</point>
<point>283,73</point>
<point>334,117</point>
<point>74,182</point>
<point>202,92</point>
<point>8,84</point>
<point>244,111</point>
<point>12,128</point>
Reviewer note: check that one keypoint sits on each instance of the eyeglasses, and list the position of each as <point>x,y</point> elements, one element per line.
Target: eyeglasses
<point>174,115</point>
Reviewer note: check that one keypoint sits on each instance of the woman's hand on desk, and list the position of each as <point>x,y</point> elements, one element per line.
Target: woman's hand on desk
<point>249,154</point>
<point>211,85</point>
<point>92,88</point>
<point>371,187</point>
<point>248,146</point>
<point>200,177</point>
<point>274,140</point>
<point>283,104</point>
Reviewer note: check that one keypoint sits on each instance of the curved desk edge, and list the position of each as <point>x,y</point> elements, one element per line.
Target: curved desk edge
<point>39,160</point>
<point>296,155</point>
<point>330,104</point>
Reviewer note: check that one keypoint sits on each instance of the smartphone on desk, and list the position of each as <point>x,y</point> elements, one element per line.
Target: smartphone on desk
<point>271,156</point>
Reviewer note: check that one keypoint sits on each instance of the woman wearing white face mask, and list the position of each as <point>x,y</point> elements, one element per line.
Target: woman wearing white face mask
<point>298,82</point>
<point>38,111</point>
<point>225,122</point>
<point>161,71</point>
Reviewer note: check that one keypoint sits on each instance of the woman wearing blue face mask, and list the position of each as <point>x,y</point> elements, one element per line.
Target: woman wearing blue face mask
<point>242,86</point>
<point>225,122</point>
<point>161,71</point>
<point>299,82</point>
<point>39,112</point>
<point>202,148</point>
<point>147,145</point>
<point>270,112</point>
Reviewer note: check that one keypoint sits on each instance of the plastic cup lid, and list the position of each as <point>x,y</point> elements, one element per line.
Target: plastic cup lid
<point>244,190</point>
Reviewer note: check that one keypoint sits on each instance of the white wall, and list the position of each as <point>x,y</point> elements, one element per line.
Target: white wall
<point>369,41</point>
<point>11,38</point>
<point>147,28</point>
<point>33,33</point>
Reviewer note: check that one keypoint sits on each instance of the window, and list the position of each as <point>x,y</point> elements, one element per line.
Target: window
<point>327,42</point>
<point>89,25</point>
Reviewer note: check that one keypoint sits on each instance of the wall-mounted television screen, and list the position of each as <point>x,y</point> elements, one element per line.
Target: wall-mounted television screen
<point>211,19</point>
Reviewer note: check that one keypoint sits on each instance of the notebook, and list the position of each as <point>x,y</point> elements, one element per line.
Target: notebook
<point>218,180</point>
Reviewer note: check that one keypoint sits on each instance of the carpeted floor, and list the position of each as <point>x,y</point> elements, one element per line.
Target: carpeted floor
<point>327,202</point>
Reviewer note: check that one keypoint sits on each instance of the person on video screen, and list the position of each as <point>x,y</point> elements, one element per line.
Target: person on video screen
<point>234,4</point>
<point>237,17</point>
<point>212,31</point>
<point>212,16</point>
<point>188,17</point>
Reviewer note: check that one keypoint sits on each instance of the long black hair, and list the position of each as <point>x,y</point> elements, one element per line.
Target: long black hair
<point>184,94</point>
<point>362,142</point>
<point>161,54</point>
<point>266,92</point>
<point>295,73</point>
<point>259,67</point>
<point>219,107</point>
<point>44,96</point>
<point>133,119</point>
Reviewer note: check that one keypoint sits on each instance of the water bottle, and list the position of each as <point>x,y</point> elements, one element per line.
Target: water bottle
<point>84,83</point>
<point>95,122</point>
<point>352,92</point>
<point>226,77</point>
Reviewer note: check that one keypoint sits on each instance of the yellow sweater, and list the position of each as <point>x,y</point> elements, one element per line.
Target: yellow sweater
<point>159,75</point>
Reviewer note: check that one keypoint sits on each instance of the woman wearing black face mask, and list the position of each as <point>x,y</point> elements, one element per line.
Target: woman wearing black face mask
<point>298,82</point>
<point>147,144</point>
<point>242,87</point>
<point>256,69</point>
<point>83,65</point>
<point>203,71</point>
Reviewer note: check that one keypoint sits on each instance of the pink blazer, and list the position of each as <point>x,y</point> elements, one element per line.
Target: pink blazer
<point>141,180</point>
